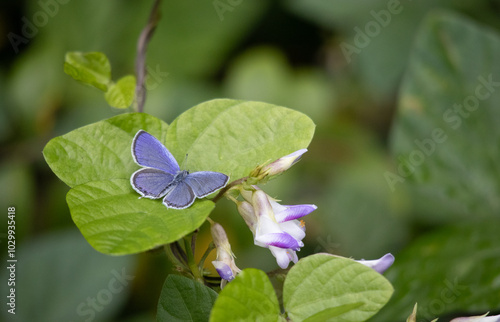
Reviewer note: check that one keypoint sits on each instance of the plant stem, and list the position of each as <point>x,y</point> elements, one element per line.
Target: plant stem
<point>228,187</point>
<point>191,262</point>
<point>140,62</point>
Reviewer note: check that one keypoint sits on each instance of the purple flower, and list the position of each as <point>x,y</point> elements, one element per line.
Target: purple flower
<point>224,263</point>
<point>274,226</point>
<point>381,264</point>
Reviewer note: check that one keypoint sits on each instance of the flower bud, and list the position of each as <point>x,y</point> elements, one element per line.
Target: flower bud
<point>283,163</point>
<point>381,264</point>
<point>224,264</point>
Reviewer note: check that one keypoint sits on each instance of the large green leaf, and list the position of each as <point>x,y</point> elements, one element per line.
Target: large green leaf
<point>233,137</point>
<point>100,151</point>
<point>115,221</point>
<point>454,269</point>
<point>249,297</point>
<point>59,277</point>
<point>183,299</point>
<point>323,285</point>
<point>445,137</point>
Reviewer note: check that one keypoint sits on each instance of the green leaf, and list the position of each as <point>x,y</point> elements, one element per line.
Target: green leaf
<point>91,68</point>
<point>323,285</point>
<point>234,137</point>
<point>101,150</point>
<point>122,93</point>
<point>445,136</point>
<point>83,284</point>
<point>115,221</point>
<point>183,299</point>
<point>454,269</point>
<point>249,297</point>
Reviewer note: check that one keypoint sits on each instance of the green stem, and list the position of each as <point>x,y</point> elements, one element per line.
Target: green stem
<point>191,262</point>
<point>173,259</point>
<point>228,187</point>
<point>210,247</point>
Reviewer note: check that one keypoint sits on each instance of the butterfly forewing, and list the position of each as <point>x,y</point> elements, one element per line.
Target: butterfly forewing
<point>179,197</point>
<point>149,152</point>
<point>151,183</point>
<point>204,183</point>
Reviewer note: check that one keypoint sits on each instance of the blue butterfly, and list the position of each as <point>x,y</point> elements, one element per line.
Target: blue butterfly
<point>162,177</point>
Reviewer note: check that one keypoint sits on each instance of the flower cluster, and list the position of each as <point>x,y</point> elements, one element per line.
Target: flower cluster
<point>274,226</point>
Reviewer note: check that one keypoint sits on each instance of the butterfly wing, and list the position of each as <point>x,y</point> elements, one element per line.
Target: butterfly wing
<point>147,151</point>
<point>180,196</point>
<point>151,183</point>
<point>204,183</point>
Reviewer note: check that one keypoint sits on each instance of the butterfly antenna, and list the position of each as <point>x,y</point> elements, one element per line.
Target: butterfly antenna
<point>184,163</point>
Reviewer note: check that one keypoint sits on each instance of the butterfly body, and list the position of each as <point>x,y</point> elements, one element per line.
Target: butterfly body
<point>162,177</point>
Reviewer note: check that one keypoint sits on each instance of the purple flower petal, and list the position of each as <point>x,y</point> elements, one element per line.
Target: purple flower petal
<point>381,264</point>
<point>294,228</point>
<point>223,270</point>
<point>281,240</point>
<point>294,212</point>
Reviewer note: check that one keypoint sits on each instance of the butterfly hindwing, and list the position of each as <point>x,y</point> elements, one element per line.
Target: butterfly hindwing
<point>151,183</point>
<point>204,183</point>
<point>147,151</point>
<point>180,196</point>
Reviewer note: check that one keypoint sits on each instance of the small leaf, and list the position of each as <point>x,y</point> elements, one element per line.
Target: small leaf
<point>324,285</point>
<point>183,299</point>
<point>249,297</point>
<point>91,68</point>
<point>121,94</point>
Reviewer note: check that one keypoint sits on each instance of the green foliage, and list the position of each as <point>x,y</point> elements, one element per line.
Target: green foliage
<point>90,68</point>
<point>445,139</point>
<point>249,297</point>
<point>85,285</point>
<point>322,285</point>
<point>183,299</point>
<point>452,269</point>
<point>227,136</point>
<point>94,69</point>
<point>446,131</point>
<point>375,36</point>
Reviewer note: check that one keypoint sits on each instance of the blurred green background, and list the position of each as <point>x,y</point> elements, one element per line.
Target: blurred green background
<point>366,95</point>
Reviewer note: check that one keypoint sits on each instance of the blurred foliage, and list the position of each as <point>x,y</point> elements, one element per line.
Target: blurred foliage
<point>286,53</point>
